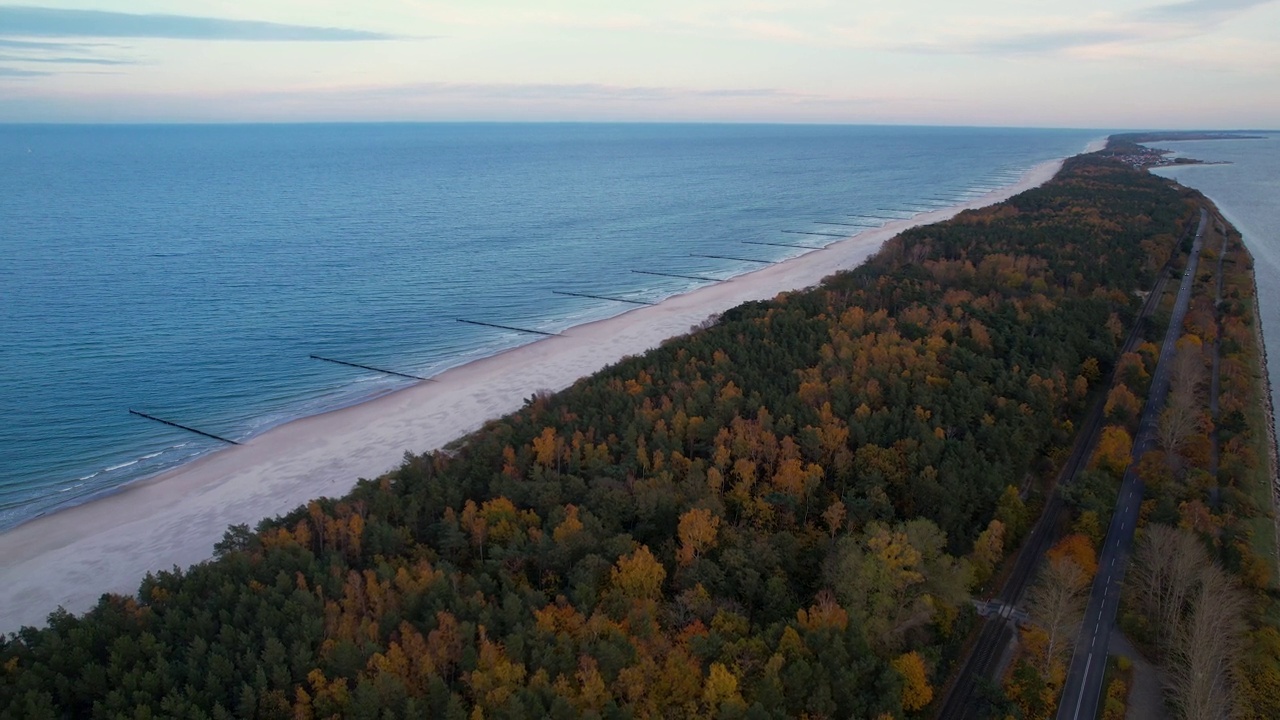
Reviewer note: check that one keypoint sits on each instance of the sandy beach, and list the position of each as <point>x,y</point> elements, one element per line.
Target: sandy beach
<point>70,558</point>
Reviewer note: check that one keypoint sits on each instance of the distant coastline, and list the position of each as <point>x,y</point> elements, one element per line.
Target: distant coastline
<point>1133,149</point>
<point>1177,135</point>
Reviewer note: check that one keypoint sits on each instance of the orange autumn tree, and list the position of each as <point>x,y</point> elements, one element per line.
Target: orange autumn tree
<point>1122,405</point>
<point>1078,549</point>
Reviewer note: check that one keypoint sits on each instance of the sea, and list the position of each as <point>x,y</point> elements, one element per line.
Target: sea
<point>192,272</point>
<point>1242,177</point>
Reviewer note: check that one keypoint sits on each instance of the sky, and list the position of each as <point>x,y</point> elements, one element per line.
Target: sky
<point>1085,63</point>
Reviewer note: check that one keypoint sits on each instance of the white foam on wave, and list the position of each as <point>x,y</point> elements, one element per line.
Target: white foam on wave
<point>121,465</point>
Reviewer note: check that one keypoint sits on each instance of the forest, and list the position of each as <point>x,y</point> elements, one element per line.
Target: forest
<point>782,514</point>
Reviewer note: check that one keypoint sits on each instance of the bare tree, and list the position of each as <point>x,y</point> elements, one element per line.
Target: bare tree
<point>1188,374</point>
<point>1198,614</point>
<point>1166,567</point>
<point>1181,415</point>
<point>1178,421</point>
<point>1206,647</point>
<point>1056,604</point>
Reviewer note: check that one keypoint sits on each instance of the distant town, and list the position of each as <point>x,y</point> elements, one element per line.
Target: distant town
<point>1130,149</point>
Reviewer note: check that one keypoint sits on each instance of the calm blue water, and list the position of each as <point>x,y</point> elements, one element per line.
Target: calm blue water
<point>189,271</point>
<point>1247,191</point>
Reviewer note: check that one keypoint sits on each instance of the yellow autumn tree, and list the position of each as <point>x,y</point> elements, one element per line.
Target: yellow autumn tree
<point>569,527</point>
<point>1114,450</point>
<point>546,448</point>
<point>898,558</point>
<point>988,549</point>
<point>697,533</point>
<point>501,519</point>
<point>834,517</point>
<point>916,691</point>
<point>496,678</point>
<point>720,690</point>
<point>639,575</point>
<point>587,691</point>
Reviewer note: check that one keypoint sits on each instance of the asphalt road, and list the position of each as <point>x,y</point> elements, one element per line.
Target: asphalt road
<point>1083,689</point>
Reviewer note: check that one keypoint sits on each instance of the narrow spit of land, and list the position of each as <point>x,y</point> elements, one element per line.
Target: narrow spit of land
<point>1082,695</point>
<point>1209,483</point>
<point>778,514</point>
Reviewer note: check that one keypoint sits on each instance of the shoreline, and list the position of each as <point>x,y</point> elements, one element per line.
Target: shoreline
<point>1273,451</point>
<point>69,558</point>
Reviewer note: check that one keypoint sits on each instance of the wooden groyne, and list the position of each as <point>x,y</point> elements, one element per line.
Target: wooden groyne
<point>368,367</point>
<point>508,327</point>
<point>728,257</point>
<point>810,232</point>
<point>675,275</point>
<point>219,438</point>
<point>787,245</point>
<point>603,297</point>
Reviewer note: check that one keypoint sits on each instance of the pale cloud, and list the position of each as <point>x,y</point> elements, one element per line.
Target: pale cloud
<point>31,21</point>
<point>757,21</point>
<point>65,60</point>
<point>485,101</point>
<point>21,73</point>
<point>1067,34</point>
<point>42,45</point>
<point>18,24</point>
<point>1201,10</point>
<point>576,91</point>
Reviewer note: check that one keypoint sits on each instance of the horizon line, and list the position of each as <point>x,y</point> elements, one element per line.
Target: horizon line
<point>810,123</point>
<point>758,123</point>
